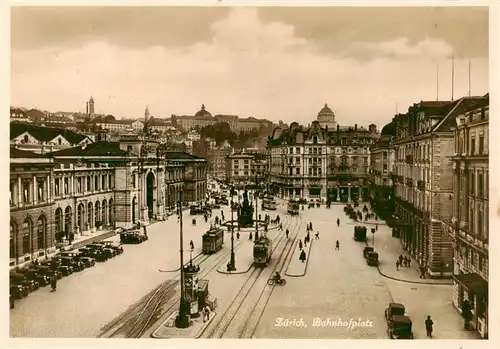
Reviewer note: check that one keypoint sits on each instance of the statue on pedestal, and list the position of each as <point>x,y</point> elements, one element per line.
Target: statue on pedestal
<point>245,211</point>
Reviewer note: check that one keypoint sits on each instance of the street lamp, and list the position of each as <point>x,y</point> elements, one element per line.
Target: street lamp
<point>231,266</point>
<point>182,319</point>
<point>256,215</point>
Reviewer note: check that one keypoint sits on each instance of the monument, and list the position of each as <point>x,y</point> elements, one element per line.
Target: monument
<point>245,212</point>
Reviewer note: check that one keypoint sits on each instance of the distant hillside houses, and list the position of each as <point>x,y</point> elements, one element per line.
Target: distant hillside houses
<point>43,140</point>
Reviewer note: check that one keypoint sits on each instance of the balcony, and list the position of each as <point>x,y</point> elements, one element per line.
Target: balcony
<point>421,185</point>
<point>409,159</point>
<point>409,182</point>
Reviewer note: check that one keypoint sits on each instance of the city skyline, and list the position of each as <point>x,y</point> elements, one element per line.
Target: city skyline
<point>246,61</point>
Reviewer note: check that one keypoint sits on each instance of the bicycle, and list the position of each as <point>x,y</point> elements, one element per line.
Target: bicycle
<point>273,281</point>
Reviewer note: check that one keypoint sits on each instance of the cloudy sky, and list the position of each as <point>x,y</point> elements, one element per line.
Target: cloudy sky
<point>274,63</point>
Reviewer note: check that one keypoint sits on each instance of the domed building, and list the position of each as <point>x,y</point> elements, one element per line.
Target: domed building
<point>326,118</point>
<point>203,112</point>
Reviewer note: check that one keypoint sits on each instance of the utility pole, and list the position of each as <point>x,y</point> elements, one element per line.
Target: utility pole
<point>231,266</point>
<point>182,320</point>
<point>452,77</point>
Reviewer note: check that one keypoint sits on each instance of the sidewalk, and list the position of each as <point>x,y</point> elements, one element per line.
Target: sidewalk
<point>83,240</point>
<point>389,248</point>
<point>295,267</point>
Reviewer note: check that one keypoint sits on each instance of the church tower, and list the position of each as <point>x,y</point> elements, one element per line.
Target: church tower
<point>326,118</point>
<point>91,107</point>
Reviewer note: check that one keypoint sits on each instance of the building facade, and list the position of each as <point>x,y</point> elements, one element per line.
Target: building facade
<point>217,161</point>
<point>321,163</point>
<point>424,192</point>
<point>469,225</point>
<point>78,191</point>
<point>382,158</point>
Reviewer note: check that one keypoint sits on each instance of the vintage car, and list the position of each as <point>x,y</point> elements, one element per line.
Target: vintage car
<point>400,327</point>
<point>366,250</point>
<point>360,233</point>
<point>35,275</point>
<point>109,251</point>
<point>18,291</point>
<point>47,271</point>
<point>21,279</point>
<point>55,264</point>
<point>114,245</point>
<point>72,262</point>
<point>94,253</point>
<point>132,237</point>
<point>372,258</point>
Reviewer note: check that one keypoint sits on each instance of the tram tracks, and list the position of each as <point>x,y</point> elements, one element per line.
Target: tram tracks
<point>238,307</point>
<point>135,321</point>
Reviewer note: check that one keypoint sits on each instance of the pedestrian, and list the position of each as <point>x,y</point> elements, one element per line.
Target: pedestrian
<point>287,232</point>
<point>250,236</point>
<point>300,244</point>
<point>53,284</point>
<point>422,271</point>
<point>397,264</point>
<point>337,245</point>
<point>191,244</point>
<point>376,227</point>
<point>428,326</point>
<point>409,262</point>
<point>305,242</point>
<point>11,300</point>
<point>338,222</point>
<point>238,235</point>
<point>302,256</point>
<point>317,235</point>
<point>400,259</point>
<point>206,313</point>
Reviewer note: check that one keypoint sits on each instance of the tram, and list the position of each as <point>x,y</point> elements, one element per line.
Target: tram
<point>212,240</point>
<point>293,207</point>
<point>262,250</point>
<point>268,203</point>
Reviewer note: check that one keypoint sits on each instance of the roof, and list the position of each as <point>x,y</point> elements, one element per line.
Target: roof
<point>400,319</point>
<point>203,112</point>
<point>326,111</point>
<point>459,107</point>
<point>396,305</point>
<point>389,129</point>
<point>180,155</point>
<point>93,149</point>
<point>45,134</point>
<point>18,153</point>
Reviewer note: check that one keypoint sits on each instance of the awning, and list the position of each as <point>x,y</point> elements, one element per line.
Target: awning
<point>473,283</point>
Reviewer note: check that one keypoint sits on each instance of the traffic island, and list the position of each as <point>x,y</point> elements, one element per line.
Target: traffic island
<point>167,329</point>
<point>297,268</point>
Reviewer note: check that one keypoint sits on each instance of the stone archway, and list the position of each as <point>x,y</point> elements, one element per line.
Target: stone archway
<point>59,224</point>
<point>90,216</point>
<point>41,227</point>
<point>150,190</point>
<point>111,217</point>
<point>80,217</point>
<point>104,213</point>
<point>27,236</point>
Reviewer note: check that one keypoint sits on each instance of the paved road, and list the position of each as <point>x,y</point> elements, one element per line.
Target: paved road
<point>86,301</point>
<point>339,285</point>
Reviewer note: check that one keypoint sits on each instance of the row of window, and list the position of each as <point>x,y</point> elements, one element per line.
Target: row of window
<point>472,150</point>
<point>84,184</point>
<point>337,150</point>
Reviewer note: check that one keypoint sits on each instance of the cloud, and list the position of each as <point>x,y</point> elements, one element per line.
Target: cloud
<point>248,67</point>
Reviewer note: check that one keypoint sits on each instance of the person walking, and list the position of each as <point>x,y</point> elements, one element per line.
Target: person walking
<point>53,284</point>
<point>337,245</point>
<point>250,236</point>
<point>422,271</point>
<point>409,262</point>
<point>397,264</point>
<point>206,313</point>
<point>287,232</point>
<point>400,259</point>
<point>191,244</point>
<point>237,235</point>
<point>338,222</point>
<point>300,244</point>
<point>428,326</point>
<point>302,256</point>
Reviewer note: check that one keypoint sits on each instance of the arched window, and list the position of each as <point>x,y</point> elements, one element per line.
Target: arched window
<point>13,239</point>
<point>97,210</point>
<point>59,223</point>
<point>26,139</point>
<point>67,220</point>
<point>315,140</point>
<point>41,232</point>
<point>104,213</point>
<point>90,215</point>
<point>27,233</point>
<point>110,215</point>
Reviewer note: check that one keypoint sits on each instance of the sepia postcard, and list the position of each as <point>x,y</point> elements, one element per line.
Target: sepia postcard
<point>250,172</point>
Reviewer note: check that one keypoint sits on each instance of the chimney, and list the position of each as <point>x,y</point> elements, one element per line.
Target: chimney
<point>355,127</point>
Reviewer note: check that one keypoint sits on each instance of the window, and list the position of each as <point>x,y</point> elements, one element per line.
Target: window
<point>290,150</point>
<point>471,219</point>
<point>129,148</point>
<point>96,183</point>
<point>40,189</point>
<point>480,225</point>
<point>88,183</point>
<point>297,150</point>
<point>290,171</point>
<point>57,186</point>
<point>480,185</point>
<point>26,191</point>
<point>246,173</point>
<point>27,227</point>
<point>12,195</point>
<point>473,145</point>
<point>481,144</point>
<point>59,141</point>
<point>26,139</point>
<point>41,232</point>
<point>310,160</point>
<point>297,161</point>
<point>110,181</point>
<point>235,173</point>
<point>103,182</point>
<point>310,171</point>
<point>472,184</point>
<point>315,150</point>
<point>319,171</point>
<point>315,139</point>
<point>297,171</point>
<point>385,167</point>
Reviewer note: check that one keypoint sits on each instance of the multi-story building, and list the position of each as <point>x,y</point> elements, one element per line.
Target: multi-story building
<point>252,124</point>
<point>381,172</point>
<point>239,169</point>
<point>321,163</point>
<point>44,139</point>
<point>102,185</point>
<point>424,192</point>
<point>201,119</point>
<point>217,161</point>
<point>469,225</point>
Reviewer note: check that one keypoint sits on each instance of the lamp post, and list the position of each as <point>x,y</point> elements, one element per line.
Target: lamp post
<point>182,319</point>
<point>231,266</point>
<point>256,216</point>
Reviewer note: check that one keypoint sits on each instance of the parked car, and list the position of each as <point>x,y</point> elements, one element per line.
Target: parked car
<point>47,271</point>
<point>88,261</point>
<point>107,251</point>
<point>35,275</point>
<point>55,264</point>
<point>114,245</point>
<point>72,262</point>
<point>21,279</point>
<point>132,237</point>
<point>93,252</point>
<point>18,291</point>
